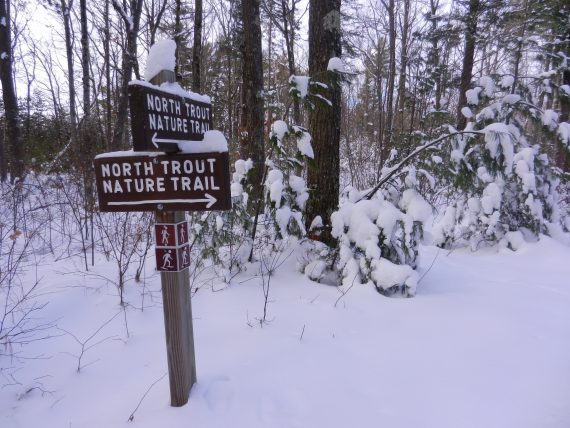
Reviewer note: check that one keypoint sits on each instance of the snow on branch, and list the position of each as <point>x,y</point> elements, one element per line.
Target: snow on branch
<point>394,169</point>
<point>128,19</point>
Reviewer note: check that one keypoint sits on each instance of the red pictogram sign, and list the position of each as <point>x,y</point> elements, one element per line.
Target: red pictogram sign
<point>172,248</point>
<point>172,259</point>
<point>171,234</point>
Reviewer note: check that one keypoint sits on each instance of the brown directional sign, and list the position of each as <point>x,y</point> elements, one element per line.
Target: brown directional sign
<point>185,182</point>
<point>160,119</point>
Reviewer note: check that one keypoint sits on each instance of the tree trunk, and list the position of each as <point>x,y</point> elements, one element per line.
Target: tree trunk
<point>85,60</point>
<point>468,57</point>
<point>403,65</point>
<point>108,106</point>
<point>288,17</point>
<point>389,124</point>
<point>178,39</point>
<point>131,23</point>
<point>324,119</point>
<point>520,42</point>
<point>66,15</point>
<point>434,59</point>
<point>9,98</point>
<point>251,121</point>
<point>197,47</point>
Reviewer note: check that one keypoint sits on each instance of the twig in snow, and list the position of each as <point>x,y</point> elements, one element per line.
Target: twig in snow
<point>132,415</point>
<point>430,266</point>
<point>343,292</point>
<point>85,346</point>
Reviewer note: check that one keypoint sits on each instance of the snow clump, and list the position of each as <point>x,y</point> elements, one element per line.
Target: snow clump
<point>161,56</point>
<point>335,64</point>
<point>299,85</point>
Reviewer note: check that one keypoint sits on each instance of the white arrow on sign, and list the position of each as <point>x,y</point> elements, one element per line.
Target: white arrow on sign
<point>156,140</point>
<point>208,199</point>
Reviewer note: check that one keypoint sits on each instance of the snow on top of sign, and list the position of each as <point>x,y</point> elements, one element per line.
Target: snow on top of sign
<point>214,141</point>
<point>161,56</point>
<point>126,153</point>
<point>174,89</point>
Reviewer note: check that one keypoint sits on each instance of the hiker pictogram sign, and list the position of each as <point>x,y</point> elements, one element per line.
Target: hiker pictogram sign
<point>172,259</point>
<point>172,247</point>
<point>171,234</point>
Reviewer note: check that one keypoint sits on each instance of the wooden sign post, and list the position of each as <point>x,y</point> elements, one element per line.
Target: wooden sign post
<point>168,184</point>
<point>177,308</point>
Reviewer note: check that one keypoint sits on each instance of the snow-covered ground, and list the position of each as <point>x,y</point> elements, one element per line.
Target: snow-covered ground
<point>485,343</point>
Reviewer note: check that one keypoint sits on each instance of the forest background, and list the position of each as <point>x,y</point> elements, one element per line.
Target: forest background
<point>454,110</point>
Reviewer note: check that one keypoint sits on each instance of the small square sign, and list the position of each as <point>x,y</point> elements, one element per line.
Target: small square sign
<point>165,234</point>
<point>172,259</point>
<point>167,260</point>
<point>182,229</point>
<point>171,234</point>
<point>183,256</point>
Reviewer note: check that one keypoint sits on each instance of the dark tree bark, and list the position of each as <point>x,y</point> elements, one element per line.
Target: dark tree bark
<point>131,21</point>
<point>197,47</point>
<point>154,19</point>
<point>66,16</point>
<point>85,58</point>
<point>284,20</point>
<point>251,121</point>
<point>108,106</point>
<point>405,28</point>
<point>13,134</point>
<point>389,124</point>
<point>434,57</point>
<point>178,38</point>
<point>468,57</point>
<point>324,119</point>
<point>519,49</point>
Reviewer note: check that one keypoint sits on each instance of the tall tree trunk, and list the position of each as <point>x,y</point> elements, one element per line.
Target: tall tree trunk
<point>85,58</point>
<point>154,20</point>
<point>563,160</point>
<point>197,47</point>
<point>389,124</point>
<point>108,105</point>
<point>434,59</point>
<point>468,57</point>
<point>520,42</point>
<point>66,15</point>
<point>251,121</point>
<point>381,116</point>
<point>288,17</point>
<point>178,39</point>
<point>131,22</point>
<point>9,97</point>
<point>324,119</point>
<point>403,65</point>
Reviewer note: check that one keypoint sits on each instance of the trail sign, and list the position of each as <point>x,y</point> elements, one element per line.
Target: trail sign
<point>171,234</point>
<point>172,248</point>
<point>188,182</point>
<point>174,259</point>
<point>161,119</point>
